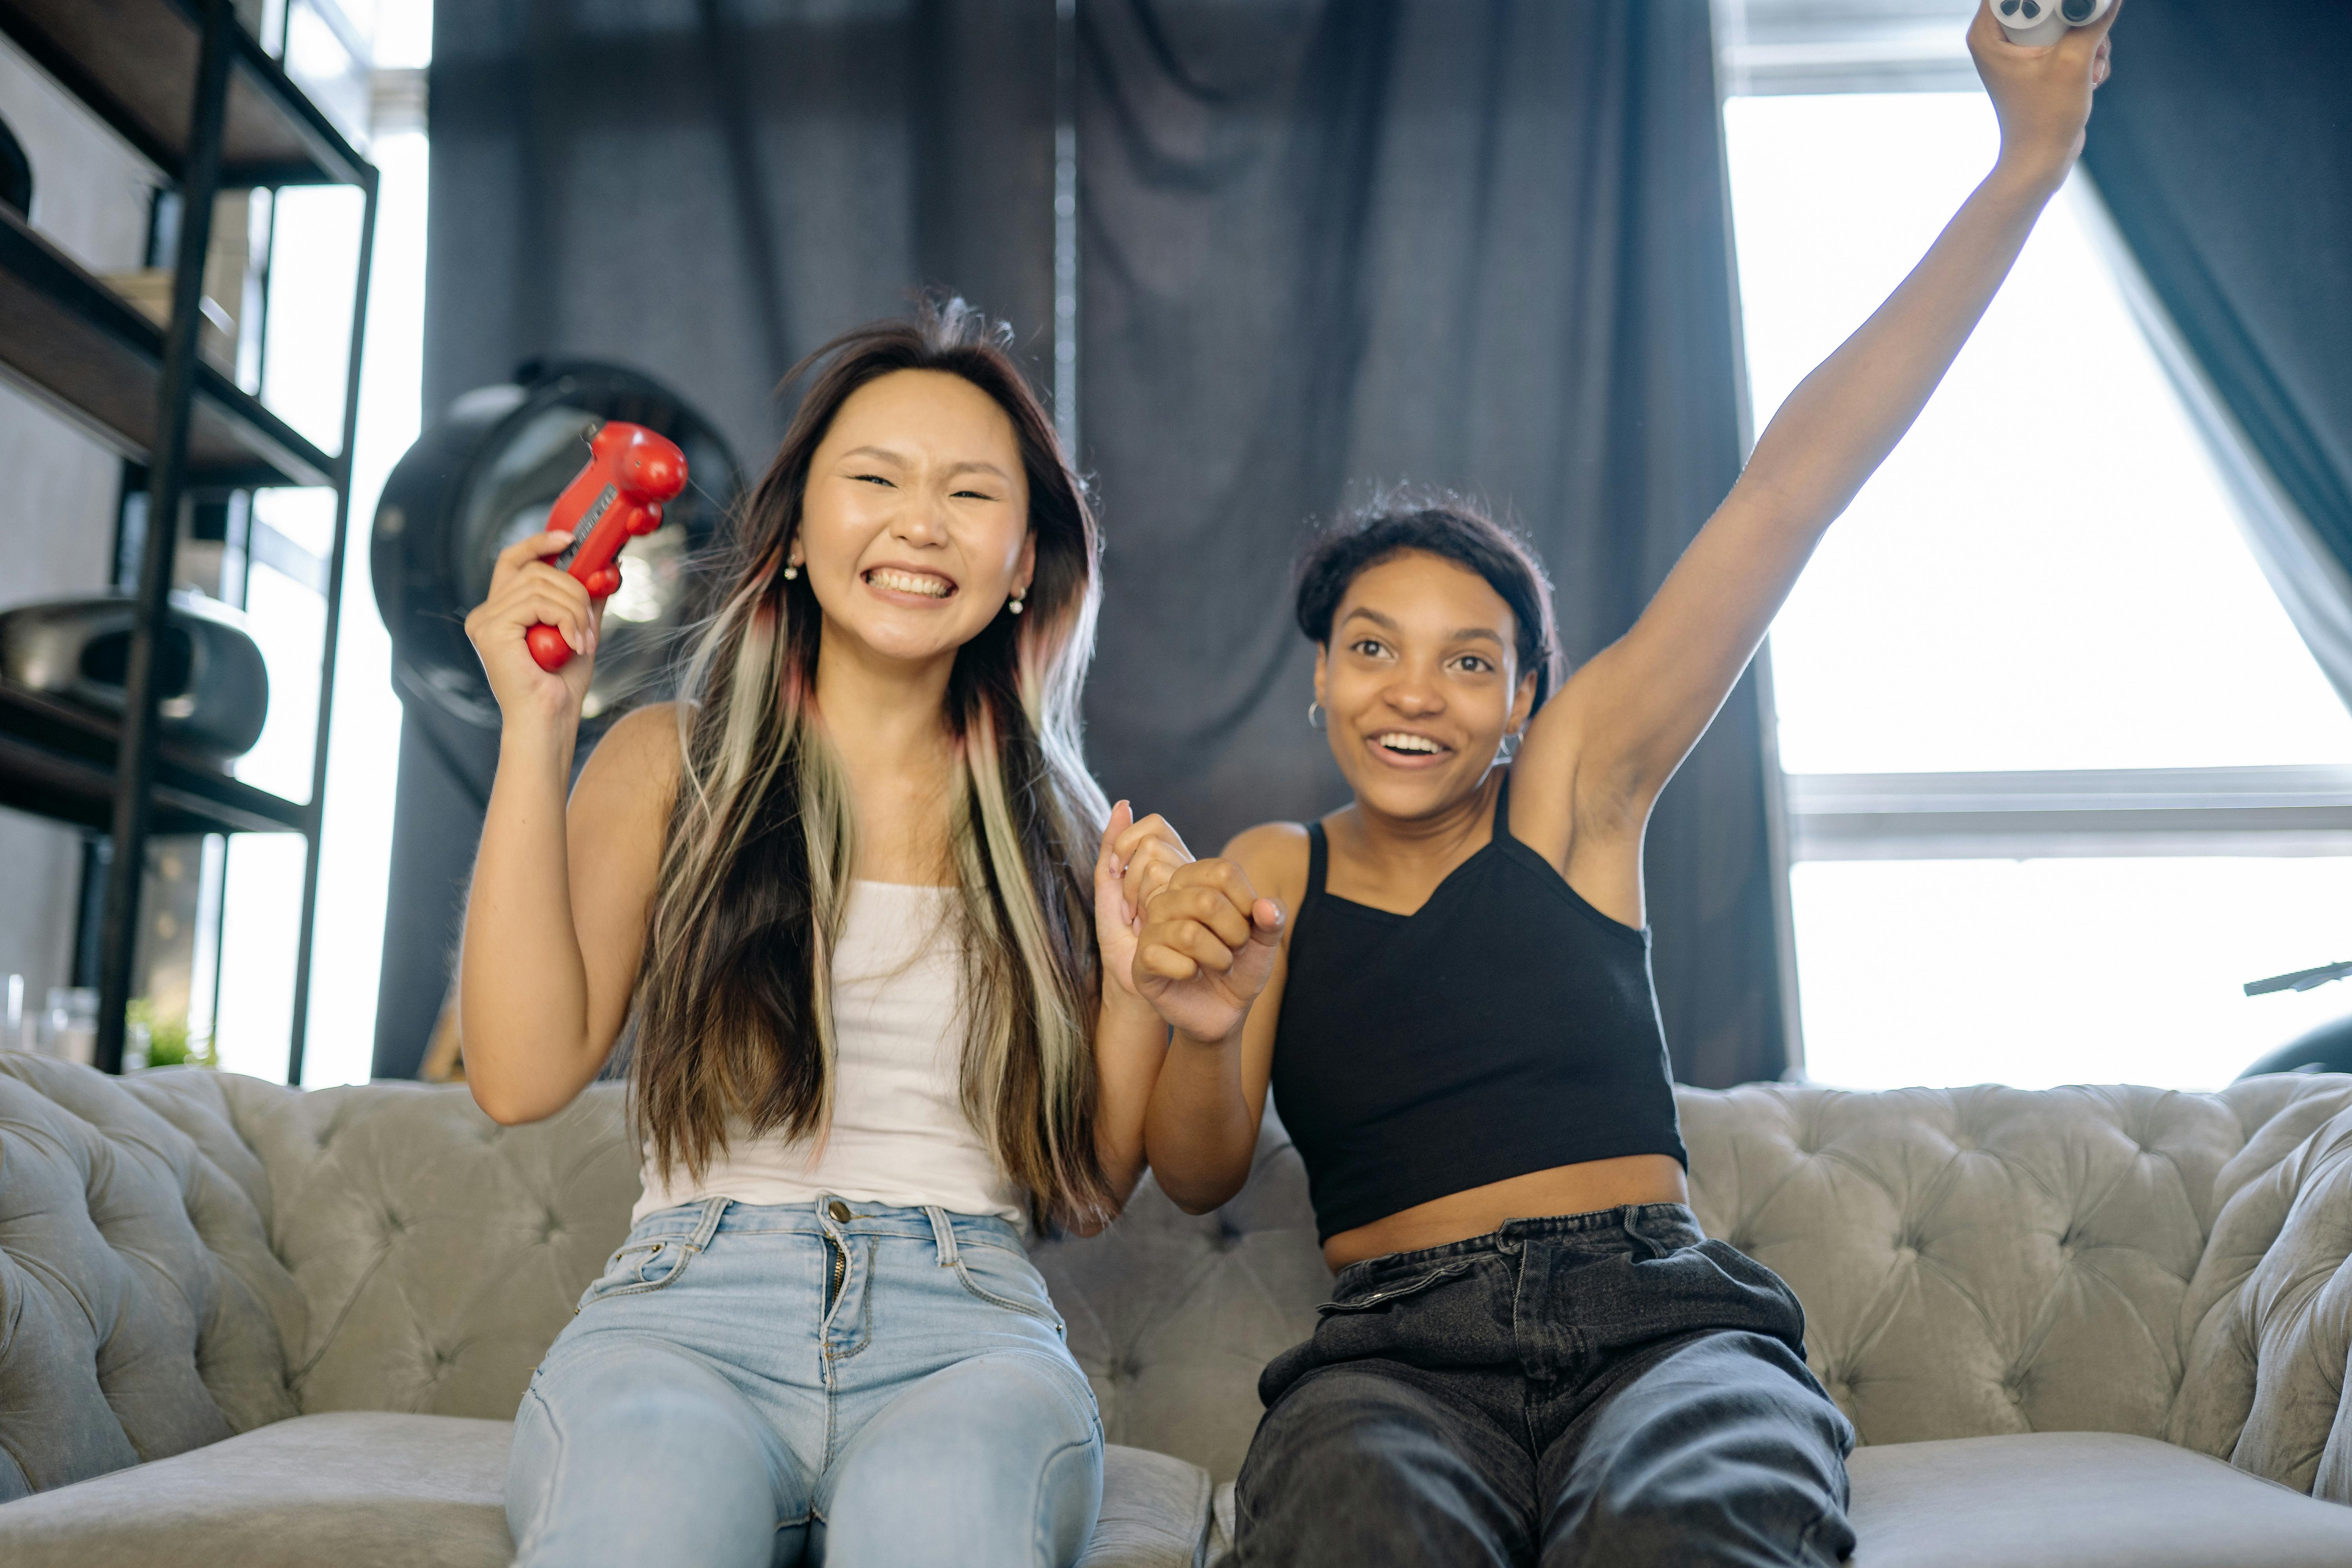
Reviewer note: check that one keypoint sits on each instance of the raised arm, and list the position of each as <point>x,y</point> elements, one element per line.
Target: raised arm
<point>562,892</point>
<point>1597,756</point>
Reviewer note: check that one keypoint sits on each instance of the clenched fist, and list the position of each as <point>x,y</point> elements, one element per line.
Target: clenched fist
<point>1207,949</point>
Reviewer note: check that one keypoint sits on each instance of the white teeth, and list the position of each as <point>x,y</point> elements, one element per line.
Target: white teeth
<point>1397,741</point>
<point>911,583</point>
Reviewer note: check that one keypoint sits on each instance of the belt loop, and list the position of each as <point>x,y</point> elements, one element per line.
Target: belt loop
<point>712,1209</point>
<point>942,1232</point>
<point>1630,1218</point>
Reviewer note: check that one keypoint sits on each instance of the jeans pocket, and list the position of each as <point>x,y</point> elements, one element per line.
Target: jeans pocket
<point>1006,1282</point>
<point>1383,1295</point>
<point>1662,1289</point>
<point>640,1266</point>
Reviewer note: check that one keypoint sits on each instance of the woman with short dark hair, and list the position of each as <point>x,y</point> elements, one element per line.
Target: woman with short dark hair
<point>1446,984</point>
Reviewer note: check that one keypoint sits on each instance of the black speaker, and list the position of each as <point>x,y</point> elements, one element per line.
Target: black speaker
<point>484,477</point>
<point>211,684</point>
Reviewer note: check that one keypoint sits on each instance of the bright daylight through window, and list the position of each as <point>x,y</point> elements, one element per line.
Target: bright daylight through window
<point>311,240</point>
<point>2048,575</point>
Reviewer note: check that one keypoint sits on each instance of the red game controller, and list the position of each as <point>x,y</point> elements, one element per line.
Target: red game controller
<point>616,497</point>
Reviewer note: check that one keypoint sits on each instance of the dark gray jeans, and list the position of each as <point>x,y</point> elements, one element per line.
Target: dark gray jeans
<point>1599,1389</point>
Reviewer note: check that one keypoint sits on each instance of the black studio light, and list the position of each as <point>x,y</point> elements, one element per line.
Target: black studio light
<point>485,476</point>
<point>15,174</point>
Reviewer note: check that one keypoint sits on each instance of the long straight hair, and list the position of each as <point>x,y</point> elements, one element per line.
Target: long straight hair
<point>735,1023</point>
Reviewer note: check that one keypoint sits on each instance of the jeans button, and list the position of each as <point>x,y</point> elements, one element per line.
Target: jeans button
<point>839,1210</point>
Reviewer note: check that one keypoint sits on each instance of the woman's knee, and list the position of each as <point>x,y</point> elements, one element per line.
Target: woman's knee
<point>604,1445</point>
<point>1352,1461</point>
<point>1725,1452</point>
<point>634,1393</point>
<point>1007,1452</point>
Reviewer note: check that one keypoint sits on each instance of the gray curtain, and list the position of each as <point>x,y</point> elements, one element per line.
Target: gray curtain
<point>1464,243</point>
<point>1481,246</point>
<point>2223,150</point>
<point>705,190</point>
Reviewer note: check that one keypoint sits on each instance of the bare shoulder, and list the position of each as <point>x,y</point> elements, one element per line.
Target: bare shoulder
<point>637,759</point>
<point>1274,857</point>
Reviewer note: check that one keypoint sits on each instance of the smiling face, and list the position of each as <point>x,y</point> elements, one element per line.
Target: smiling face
<point>1419,682</point>
<point>915,522</point>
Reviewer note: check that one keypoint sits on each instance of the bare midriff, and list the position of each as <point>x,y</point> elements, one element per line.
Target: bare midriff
<point>1564,1189</point>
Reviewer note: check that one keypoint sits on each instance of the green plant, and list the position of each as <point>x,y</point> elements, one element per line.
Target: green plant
<point>168,1045</point>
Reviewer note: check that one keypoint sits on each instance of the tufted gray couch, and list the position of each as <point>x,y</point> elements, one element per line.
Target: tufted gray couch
<point>245,1325</point>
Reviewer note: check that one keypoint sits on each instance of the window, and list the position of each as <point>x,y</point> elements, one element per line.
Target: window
<point>2061,774</point>
<point>313,249</point>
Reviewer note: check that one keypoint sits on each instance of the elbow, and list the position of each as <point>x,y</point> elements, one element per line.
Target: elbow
<point>503,1106</point>
<point>1200,1197</point>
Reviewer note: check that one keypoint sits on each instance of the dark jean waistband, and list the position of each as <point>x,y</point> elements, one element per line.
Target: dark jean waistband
<point>1647,1227</point>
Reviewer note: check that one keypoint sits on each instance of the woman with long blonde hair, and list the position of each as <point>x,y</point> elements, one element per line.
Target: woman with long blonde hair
<point>883,1018</point>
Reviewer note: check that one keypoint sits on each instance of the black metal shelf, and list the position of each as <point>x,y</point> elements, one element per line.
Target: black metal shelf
<point>78,347</point>
<point>188,87</point>
<point>133,64</point>
<point>58,761</point>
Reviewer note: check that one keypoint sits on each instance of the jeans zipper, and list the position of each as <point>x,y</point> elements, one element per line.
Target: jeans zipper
<point>840,1269</point>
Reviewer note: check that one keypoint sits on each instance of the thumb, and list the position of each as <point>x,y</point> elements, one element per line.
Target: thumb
<point>1107,870</point>
<point>1266,922</point>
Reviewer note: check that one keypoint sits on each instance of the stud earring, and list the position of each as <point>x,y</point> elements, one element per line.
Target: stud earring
<point>1013,603</point>
<point>792,570</point>
<point>1315,715</point>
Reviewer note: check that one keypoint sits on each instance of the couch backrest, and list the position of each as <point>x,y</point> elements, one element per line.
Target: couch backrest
<point>439,1253</point>
<point>1971,1261</point>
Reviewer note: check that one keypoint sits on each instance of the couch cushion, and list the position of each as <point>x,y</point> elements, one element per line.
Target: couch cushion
<point>351,1491</point>
<point>2080,1499</point>
<point>1155,1512</point>
<point>141,1313</point>
<point>2056,1499</point>
<point>440,1253</point>
<point>381,1490</point>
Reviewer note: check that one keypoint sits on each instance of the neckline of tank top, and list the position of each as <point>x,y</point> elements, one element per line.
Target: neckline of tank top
<point>1503,842</point>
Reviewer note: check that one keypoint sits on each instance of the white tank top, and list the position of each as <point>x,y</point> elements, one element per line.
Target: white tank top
<point>898,1134</point>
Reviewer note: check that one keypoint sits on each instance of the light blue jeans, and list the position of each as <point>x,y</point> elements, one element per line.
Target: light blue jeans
<point>750,1386</point>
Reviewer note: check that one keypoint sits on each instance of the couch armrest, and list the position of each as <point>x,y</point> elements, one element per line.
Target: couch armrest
<point>2267,1323</point>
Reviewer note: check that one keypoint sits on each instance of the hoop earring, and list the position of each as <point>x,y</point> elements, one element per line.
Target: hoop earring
<point>1315,715</point>
<point>1510,748</point>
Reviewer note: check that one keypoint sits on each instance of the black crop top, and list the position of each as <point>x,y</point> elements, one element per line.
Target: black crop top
<point>1505,1026</point>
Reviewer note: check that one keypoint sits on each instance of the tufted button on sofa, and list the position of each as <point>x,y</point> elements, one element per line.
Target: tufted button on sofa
<point>241,1324</point>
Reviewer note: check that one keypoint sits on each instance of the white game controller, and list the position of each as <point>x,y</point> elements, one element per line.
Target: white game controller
<point>2041,22</point>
